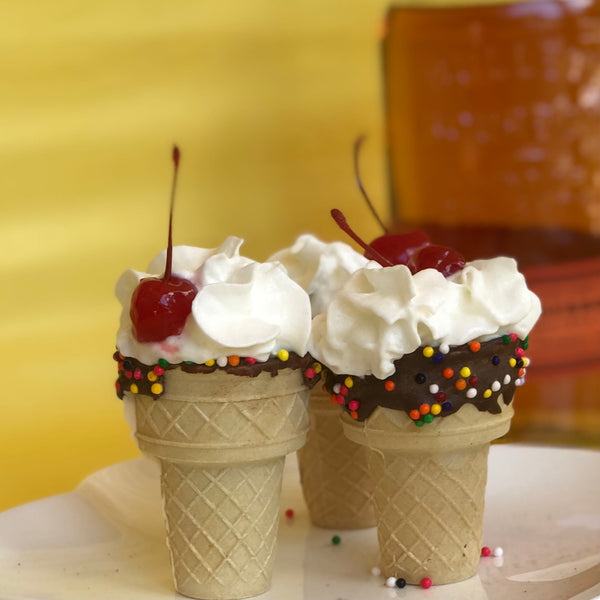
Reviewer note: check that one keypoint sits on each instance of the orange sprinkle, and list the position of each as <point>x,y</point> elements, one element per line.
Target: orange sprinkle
<point>521,372</point>
<point>448,373</point>
<point>389,385</point>
<point>414,414</point>
<point>424,409</point>
<point>234,360</point>
<point>334,398</point>
<point>460,384</point>
<point>474,346</point>
<point>354,414</point>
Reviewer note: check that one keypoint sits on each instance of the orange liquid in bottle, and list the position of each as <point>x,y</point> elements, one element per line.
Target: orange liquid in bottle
<point>493,125</point>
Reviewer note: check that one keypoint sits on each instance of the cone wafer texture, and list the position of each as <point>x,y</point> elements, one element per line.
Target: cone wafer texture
<point>222,440</point>
<point>429,489</point>
<point>334,471</point>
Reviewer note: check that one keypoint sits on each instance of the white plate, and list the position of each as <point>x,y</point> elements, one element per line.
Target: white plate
<point>105,540</point>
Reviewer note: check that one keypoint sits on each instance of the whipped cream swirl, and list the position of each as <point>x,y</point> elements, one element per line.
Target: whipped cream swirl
<point>381,314</point>
<point>320,268</point>
<point>242,308</point>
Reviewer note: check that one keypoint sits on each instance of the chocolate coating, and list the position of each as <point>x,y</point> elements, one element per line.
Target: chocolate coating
<point>409,388</point>
<point>133,372</point>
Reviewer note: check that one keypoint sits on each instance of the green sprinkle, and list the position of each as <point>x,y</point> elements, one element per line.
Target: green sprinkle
<point>506,339</point>
<point>335,540</point>
<point>524,345</point>
<point>419,423</point>
<point>163,362</point>
<point>428,418</point>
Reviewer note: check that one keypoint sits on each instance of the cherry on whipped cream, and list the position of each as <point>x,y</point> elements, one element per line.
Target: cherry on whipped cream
<point>397,247</point>
<point>441,258</point>
<point>400,248</point>
<point>160,306</point>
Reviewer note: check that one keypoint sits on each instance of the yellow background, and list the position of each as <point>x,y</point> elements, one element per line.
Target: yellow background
<point>264,99</point>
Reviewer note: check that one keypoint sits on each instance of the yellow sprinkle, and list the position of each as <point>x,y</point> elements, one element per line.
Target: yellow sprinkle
<point>428,352</point>
<point>512,362</point>
<point>487,393</point>
<point>283,355</point>
<point>465,372</point>
<point>525,361</point>
<point>348,382</point>
<point>317,367</point>
<point>152,376</point>
<point>210,363</point>
<point>156,389</point>
<point>436,409</point>
<point>133,388</point>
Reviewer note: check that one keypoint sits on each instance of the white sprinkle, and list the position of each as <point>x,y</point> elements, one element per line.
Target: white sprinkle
<point>507,380</point>
<point>376,571</point>
<point>336,388</point>
<point>434,388</point>
<point>390,582</point>
<point>497,551</point>
<point>444,348</point>
<point>471,393</point>
<point>495,386</point>
<point>519,382</point>
<point>222,361</point>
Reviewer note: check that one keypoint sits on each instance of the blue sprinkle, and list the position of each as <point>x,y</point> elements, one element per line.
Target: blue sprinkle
<point>438,358</point>
<point>495,360</point>
<point>446,406</point>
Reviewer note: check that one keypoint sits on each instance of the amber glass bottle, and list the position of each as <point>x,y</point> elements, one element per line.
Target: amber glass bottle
<point>493,126</point>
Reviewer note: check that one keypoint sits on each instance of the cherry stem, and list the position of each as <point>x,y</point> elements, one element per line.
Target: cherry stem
<point>357,145</point>
<point>169,263</point>
<point>339,218</point>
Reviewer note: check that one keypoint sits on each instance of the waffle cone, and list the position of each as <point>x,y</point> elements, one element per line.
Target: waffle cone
<point>221,440</point>
<point>429,489</point>
<point>334,471</point>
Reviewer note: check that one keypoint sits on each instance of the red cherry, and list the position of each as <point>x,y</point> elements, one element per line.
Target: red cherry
<point>160,306</point>
<point>443,259</point>
<point>412,249</point>
<point>399,247</point>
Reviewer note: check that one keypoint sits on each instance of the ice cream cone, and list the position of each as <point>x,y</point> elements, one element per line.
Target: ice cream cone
<point>429,487</point>
<point>334,471</point>
<point>221,440</point>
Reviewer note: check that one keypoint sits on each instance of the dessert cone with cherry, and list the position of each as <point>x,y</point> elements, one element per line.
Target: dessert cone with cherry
<point>427,428</point>
<point>221,433</point>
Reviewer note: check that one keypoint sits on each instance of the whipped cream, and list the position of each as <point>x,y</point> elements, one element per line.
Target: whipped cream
<point>381,314</point>
<point>320,268</point>
<point>242,308</point>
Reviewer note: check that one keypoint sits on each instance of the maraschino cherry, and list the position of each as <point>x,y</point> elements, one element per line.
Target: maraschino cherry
<point>443,259</point>
<point>161,306</point>
<point>412,249</point>
<point>398,247</point>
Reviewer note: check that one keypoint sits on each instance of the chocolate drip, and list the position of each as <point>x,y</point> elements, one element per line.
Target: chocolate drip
<point>427,377</point>
<point>150,380</point>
